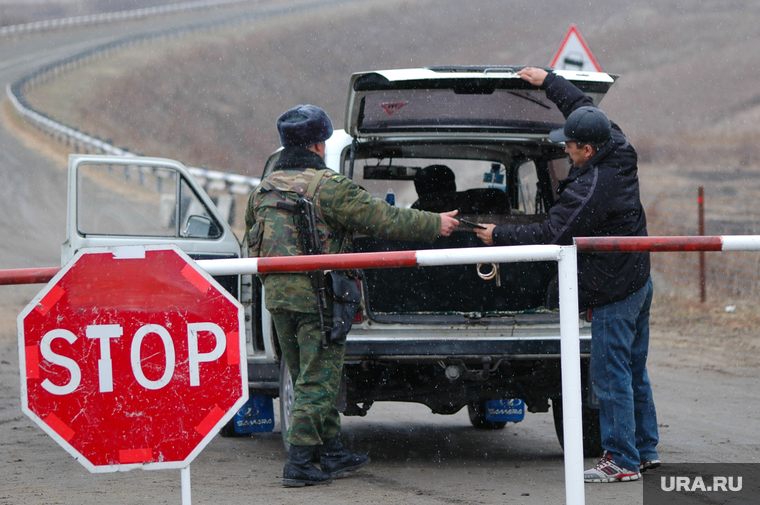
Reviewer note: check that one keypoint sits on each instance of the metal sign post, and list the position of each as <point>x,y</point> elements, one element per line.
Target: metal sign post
<point>185,473</point>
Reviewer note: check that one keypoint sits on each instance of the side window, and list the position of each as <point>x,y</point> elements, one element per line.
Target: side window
<point>558,170</point>
<point>528,180</point>
<point>130,200</point>
<point>195,218</point>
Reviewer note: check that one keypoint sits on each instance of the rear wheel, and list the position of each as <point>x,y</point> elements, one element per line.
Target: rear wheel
<point>592,432</point>
<point>477,412</point>
<point>286,401</point>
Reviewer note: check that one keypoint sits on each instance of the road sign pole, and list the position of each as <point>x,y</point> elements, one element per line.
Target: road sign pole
<point>186,500</point>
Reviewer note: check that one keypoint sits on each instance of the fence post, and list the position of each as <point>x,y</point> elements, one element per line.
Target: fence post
<point>701,217</point>
<point>571,375</point>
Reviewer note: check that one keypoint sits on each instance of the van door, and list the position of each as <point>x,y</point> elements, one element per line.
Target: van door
<point>118,201</point>
<point>121,201</point>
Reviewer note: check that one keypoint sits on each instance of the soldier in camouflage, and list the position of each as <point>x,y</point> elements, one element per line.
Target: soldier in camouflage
<point>343,208</point>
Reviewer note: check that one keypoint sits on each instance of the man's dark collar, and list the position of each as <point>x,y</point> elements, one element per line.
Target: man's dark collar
<point>295,158</point>
<point>596,158</point>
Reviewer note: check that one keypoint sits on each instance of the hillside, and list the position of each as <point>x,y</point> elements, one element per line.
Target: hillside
<point>685,85</point>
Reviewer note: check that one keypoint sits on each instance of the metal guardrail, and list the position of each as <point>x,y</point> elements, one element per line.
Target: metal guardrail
<point>109,17</point>
<point>234,183</point>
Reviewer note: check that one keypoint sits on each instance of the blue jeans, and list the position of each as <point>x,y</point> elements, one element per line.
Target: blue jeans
<point>618,371</point>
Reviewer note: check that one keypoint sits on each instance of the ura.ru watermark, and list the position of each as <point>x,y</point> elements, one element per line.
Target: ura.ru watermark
<point>702,484</point>
<point>716,483</point>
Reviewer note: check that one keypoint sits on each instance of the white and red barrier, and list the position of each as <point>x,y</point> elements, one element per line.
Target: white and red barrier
<point>566,257</point>
<point>27,275</point>
<point>427,258</point>
<point>669,244</point>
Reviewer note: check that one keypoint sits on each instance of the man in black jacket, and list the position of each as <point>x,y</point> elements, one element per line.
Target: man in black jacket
<point>600,197</point>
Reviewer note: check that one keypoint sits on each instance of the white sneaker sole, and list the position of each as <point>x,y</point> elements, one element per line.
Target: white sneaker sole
<point>608,480</point>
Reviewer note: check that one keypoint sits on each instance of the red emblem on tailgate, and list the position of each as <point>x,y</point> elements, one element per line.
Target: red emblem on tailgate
<point>390,108</point>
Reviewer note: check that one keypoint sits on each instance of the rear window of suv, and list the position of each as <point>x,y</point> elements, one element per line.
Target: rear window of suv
<point>447,110</point>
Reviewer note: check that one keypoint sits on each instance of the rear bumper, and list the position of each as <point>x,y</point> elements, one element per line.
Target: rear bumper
<point>439,348</point>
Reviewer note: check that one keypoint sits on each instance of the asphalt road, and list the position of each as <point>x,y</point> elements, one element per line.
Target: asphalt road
<point>708,411</point>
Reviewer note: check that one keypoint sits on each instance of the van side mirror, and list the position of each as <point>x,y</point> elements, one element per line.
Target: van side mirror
<point>200,227</point>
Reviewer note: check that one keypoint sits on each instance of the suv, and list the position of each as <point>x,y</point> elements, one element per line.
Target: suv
<point>451,337</point>
<point>448,337</point>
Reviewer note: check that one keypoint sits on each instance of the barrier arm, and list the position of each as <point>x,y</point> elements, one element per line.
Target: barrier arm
<point>668,244</point>
<point>27,275</point>
<point>584,244</point>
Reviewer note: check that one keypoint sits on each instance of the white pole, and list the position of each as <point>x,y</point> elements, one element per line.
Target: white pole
<point>185,472</point>
<point>571,376</point>
<point>500,254</point>
<point>741,242</point>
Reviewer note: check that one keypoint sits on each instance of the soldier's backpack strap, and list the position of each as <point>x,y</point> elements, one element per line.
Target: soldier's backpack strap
<point>315,182</point>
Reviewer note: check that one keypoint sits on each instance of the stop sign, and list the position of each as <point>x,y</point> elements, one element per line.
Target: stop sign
<point>132,357</point>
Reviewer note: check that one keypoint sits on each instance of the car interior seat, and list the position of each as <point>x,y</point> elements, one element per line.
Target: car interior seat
<point>436,189</point>
<point>484,201</point>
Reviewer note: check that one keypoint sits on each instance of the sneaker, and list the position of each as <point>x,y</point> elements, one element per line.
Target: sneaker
<point>650,464</point>
<point>608,471</point>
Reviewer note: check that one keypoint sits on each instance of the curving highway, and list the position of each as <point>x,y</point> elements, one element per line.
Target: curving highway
<point>32,189</point>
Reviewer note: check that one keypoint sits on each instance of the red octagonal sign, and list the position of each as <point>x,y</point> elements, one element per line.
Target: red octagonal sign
<point>132,357</point>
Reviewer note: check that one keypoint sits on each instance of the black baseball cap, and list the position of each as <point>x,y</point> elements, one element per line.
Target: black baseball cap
<point>585,125</point>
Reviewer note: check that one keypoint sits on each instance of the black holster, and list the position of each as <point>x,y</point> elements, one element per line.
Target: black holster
<point>346,297</point>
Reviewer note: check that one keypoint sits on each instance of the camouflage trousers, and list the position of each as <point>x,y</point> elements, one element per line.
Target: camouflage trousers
<point>316,375</point>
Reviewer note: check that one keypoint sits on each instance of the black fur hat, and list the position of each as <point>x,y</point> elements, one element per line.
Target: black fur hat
<point>304,126</point>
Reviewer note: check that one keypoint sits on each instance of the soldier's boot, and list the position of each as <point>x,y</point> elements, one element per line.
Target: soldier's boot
<point>336,460</point>
<point>300,471</point>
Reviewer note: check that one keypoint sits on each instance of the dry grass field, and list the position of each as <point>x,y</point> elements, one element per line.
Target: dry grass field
<point>685,94</point>
<point>687,97</point>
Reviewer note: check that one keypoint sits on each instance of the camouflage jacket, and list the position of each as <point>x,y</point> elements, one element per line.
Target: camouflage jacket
<point>342,209</point>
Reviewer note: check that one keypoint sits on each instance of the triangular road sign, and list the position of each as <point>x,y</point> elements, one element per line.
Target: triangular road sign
<point>574,54</point>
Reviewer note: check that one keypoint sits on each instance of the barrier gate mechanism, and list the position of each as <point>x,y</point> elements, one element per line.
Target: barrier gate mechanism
<point>566,257</point>
<point>568,298</point>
